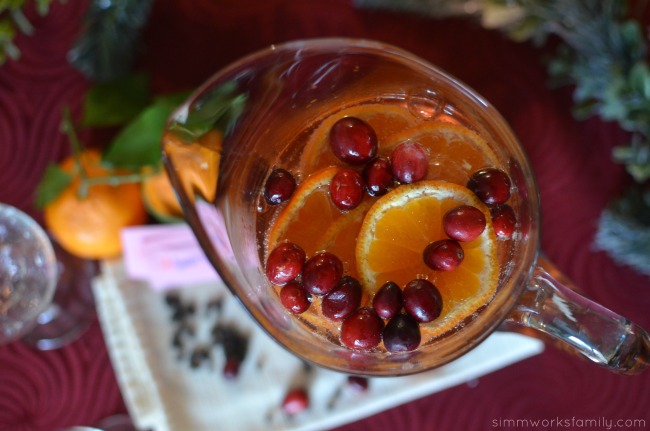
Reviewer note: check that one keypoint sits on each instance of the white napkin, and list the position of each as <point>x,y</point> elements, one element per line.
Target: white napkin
<point>164,393</point>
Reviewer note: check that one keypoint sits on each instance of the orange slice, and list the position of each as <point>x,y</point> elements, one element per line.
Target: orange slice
<point>386,120</point>
<point>401,224</point>
<point>341,237</point>
<point>313,222</point>
<point>160,198</point>
<point>455,152</point>
<point>196,163</point>
<point>308,214</point>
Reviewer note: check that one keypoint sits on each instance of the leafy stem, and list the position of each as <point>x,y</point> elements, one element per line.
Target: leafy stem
<point>116,180</point>
<point>113,179</point>
<point>220,108</point>
<point>135,152</point>
<point>13,21</point>
<point>67,127</point>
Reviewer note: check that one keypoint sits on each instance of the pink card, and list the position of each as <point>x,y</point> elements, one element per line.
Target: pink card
<point>166,256</point>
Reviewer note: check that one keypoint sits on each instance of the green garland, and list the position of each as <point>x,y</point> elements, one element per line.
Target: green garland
<point>13,20</point>
<point>603,56</point>
<point>111,32</point>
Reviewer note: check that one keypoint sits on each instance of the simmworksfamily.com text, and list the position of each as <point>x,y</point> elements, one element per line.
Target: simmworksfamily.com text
<point>570,423</point>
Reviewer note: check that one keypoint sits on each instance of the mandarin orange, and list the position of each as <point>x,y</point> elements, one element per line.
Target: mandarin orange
<point>160,198</point>
<point>90,226</point>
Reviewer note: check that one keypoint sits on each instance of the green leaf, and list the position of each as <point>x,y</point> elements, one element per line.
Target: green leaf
<point>7,30</point>
<point>138,144</point>
<point>219,108</point>
<point>54,181</point>
<point>107,47</point>
<point>633,40</point>
<point>173,100</point>
<point>639,78</point>
<point>237,105</point>
<point>635,156</point>
<point>21,21</point>
<point>116,102</point>
<point>43,7</point>
<point>624,230</point>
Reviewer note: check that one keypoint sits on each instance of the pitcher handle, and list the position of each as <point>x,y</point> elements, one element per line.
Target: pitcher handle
<point>551,306</point>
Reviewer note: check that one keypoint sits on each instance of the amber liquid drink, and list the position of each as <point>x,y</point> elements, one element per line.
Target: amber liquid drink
<point>371,227</point>
<point>371,212</point>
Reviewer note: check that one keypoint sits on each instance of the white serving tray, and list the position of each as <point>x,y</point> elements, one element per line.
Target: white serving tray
<point>164,393</point>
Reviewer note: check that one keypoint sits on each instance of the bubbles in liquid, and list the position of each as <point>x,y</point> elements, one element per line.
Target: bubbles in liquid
<point>425,103</point>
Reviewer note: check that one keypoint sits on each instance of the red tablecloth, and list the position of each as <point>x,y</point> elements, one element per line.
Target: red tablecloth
<point>184,43</point>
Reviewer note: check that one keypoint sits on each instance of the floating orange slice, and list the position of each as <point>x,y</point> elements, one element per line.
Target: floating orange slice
<point>401,224</point>
<point>308,214</point>
<point>311,220</point>
<point>386,120</point>
<point>341,237</point>
<point>454,152</point>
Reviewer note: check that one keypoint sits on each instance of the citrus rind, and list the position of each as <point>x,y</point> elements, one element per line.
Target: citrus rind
<point>466,289</point>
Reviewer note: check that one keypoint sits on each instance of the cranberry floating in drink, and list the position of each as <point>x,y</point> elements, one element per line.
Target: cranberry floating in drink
<point>491,185</point>
<point>362,329</point>
<point>353,140</point>
<point>464,223</point>
<point>402,334</point>
<point>279,187</point>
<point>443,255</point>
<point>294,297</point>
<point>347,189</point>
<point>378,176</point>
<point>504,221</point>
<point>322,273</point>
<point>410,162</point>
<point>343,300</point>
<point>388,300</point>
<point>284,263</point>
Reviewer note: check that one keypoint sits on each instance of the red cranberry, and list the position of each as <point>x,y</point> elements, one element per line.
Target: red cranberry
<point>231,368</point>
<point>343,299</point>
<point>321,273</point>
<point>491,185</point>
<point>294,297</point>
<point>422,300</point>
<point>388,300</point>
<point>464,223</point>
<point>279,187</point>
<point>362,329</point>
<point>353,140</point>
<point>443,255</point>
<point>295,401</point>
<point>346,189</point>
<point>402,334</point>
<point>358,383</point>
<point>410,162</point>
<point>378,176</point>
<point>503,221</point>
<point>284,263</point>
